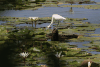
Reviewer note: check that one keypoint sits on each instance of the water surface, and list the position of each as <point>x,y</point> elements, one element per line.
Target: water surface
<point>92,15</point>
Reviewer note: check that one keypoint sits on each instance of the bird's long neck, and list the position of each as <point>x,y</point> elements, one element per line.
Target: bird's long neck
<point>51,21</point>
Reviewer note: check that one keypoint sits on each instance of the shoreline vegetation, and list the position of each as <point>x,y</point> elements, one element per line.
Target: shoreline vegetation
<point>34,5</point>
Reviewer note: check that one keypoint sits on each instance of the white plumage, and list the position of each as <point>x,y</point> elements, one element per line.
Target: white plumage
<point>33,18</point>
<point>57,17</point>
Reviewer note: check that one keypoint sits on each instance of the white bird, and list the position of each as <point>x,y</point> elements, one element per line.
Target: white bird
<point>33,18</point>
<point>57,17</point>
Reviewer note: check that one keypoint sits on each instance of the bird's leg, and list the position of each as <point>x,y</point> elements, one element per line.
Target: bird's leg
<point>58,23</point>
<point>35,24</point>
<point>32,23</point>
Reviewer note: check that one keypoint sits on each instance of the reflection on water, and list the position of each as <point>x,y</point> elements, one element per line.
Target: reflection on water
<point>96,0</point>
<point>97,31</point>
<point>49,40</point>
<point>2,22</point>
<point>37,25</point>
<point>94,52</point>
<point>79,44</point>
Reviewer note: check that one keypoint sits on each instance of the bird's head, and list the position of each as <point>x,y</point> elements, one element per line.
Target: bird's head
<point>47,27</point>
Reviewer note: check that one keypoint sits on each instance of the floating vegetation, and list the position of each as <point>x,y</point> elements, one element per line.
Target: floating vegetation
<point>2,42</point>
<point>93,45</point>
<point>21,7</point>
<point>14,23</point>
<point>94,34</point>
<point>49,5</point>
<point>98,3</point>
<point>85,39</point>
<point>34,40</point>
<point>40,36</point>
<point>46,2</point>
<point>45,19</point>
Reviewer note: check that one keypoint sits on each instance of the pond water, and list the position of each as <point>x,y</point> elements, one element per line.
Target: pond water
<point>96,0</point>
<point>92,15</point>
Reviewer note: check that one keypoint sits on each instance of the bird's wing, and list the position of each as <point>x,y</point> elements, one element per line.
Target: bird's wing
<point>58,17</point>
